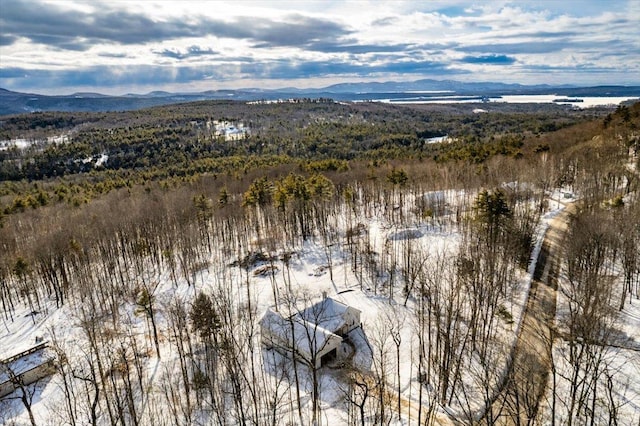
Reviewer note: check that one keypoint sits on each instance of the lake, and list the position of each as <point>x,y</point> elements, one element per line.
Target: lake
<point>577,101</point>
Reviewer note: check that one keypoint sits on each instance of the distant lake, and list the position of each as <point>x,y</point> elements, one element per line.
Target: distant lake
<point>586,101</point>
<point>577,101</point>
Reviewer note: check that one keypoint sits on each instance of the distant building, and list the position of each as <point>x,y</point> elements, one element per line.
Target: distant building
<point>229,131</point>
<point>313,335</point>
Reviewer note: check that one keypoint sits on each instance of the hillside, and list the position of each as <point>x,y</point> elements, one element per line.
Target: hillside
<point>17,103</point>
<point>79,156</point>
<point>149,274</point>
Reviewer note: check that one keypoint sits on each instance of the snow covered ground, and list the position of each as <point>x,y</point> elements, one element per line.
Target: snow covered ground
<point>385,313</point>
<point>617,380</point>
<point>613,369</point>
<point>22,143</point>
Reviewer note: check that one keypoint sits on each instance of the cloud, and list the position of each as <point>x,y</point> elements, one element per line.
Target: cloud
<point>144,75</point>
<point>113,55</point>
<point>549,46</point>
<point>351,46</point>
<point>320,69</point>
<point>525,47</point>
<point>578,68</point>
<point>489,59</point>
<point>296,30</point>
<point>48,44</point>
<point>193,51</point>
<point>79,30</point>
<point>384,22</point>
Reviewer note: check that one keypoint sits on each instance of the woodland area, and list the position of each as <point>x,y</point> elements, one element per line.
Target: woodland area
<point>149,271</point>
<point>170,145</point>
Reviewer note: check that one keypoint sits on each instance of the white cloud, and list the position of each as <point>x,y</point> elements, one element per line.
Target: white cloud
<point>235,43</point>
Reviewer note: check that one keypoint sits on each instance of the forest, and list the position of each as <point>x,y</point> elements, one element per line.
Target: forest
<point>177,144</point>
<point>145,248</point>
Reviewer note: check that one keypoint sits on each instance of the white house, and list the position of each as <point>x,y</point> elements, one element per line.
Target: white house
<point>26,368</point>
<point>229,130</point>
<point>314,334</point>
<point>333,315</point>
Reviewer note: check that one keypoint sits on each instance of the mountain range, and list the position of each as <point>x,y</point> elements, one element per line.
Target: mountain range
<point>16,102</point>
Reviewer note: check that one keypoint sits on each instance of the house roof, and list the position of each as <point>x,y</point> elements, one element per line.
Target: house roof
<point>328,313</point>
<point>307,336</point>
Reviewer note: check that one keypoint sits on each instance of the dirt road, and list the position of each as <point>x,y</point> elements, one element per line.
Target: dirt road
<point>519,400</point>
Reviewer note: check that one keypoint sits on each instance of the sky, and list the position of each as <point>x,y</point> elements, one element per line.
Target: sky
<point>124,46</point>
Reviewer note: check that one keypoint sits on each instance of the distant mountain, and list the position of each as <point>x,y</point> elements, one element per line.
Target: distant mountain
<point>16,103</point>
<point>427,85</point>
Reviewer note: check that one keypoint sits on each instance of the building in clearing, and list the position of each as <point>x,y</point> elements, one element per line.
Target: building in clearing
<point>25,368</point>
<point>229,131</point>
<point>313,335</point>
